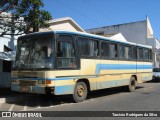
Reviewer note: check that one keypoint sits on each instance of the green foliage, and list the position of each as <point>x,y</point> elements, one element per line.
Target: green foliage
<point>6,5</point>
<point>31,10</point>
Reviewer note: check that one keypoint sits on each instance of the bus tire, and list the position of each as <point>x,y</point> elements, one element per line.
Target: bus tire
<point>132,84</point>
<point>80,92</point>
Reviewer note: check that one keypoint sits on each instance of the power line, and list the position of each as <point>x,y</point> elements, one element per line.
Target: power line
<point>80,13</point>
<point>101,11</point>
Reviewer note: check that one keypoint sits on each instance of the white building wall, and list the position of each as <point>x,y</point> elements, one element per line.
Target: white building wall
<point>63,26</point>
<point>133,32</point>
<point>10,42</point>
<point>3,41</point>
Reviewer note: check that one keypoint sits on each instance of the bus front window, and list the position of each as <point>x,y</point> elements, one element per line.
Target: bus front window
<point>35,53</point>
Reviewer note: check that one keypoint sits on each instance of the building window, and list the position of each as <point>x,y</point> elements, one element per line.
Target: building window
<point>100,33</point>
<point>6,49</point>
<point>7,66</point>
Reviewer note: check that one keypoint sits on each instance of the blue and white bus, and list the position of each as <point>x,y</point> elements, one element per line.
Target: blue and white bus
<point>65,62</point>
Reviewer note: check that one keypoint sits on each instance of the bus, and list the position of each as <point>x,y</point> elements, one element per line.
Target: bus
<point>75,63</point>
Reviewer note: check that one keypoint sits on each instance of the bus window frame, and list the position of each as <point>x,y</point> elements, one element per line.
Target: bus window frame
<point>114,58</point>
<point>132,47</point>
<point>149,50</point>
<point>75,53</point>
<point>138,54</point>
<point>125,45</point>
<point>85,56</point>
<point>104,57</point>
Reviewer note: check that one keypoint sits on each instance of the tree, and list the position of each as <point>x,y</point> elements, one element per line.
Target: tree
<point>6,5</point>
<point>30,10</point>
<point>9,25</point>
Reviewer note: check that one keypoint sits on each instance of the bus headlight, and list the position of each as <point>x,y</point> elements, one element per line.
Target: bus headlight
<point>14,81</point>
<point>41,82</point>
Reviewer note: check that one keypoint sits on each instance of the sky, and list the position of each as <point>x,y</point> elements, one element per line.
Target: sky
<point>98,13</point>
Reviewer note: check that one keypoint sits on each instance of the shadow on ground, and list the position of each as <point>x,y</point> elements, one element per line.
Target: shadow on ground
<point>153,81</point>
<point>46,100</point>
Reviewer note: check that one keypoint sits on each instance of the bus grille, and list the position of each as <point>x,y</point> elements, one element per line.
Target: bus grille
<point>27,83</point>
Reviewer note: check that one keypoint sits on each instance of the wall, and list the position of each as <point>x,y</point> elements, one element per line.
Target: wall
<point>133,32</point>
<point>5,77</point>
<point>63,26</point>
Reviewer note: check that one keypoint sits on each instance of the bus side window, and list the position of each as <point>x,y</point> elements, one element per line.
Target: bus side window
<point>88,47</point>
<point>104,49</point>
<point>121,51</point>
<point>59,50</point>
<point>113,50</point>
<point>128,52</point>
<point>65,53</point>
<point>140,54</point>
<point>147,55</point>
<point>134,53</point>
<point>150,55</point>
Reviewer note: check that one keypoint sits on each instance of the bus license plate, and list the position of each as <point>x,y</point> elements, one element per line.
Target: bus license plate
<point>24,89</point>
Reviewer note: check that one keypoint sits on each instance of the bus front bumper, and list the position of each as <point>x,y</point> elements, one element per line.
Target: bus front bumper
<point>32,89</point>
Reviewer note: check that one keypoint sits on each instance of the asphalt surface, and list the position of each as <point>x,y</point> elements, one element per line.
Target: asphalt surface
<point>145,98</point>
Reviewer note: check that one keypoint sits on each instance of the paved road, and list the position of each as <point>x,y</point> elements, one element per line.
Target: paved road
<point>145,98</point>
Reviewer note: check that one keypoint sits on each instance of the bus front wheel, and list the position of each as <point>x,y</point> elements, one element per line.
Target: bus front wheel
<point>80,92</point>
<point>132,85</point>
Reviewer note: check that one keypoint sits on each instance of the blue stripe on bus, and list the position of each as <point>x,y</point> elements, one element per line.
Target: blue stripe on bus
<point>112,83</point>
<point>13,78</point>
<point>65,78</point>
<point>64,89</point>
<point>62,78</point>
<point>100,67</point>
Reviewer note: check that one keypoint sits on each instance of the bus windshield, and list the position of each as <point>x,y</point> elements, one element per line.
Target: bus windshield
<point>35,53</point>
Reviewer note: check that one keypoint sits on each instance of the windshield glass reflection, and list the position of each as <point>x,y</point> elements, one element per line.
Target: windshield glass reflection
<point>34,54</point>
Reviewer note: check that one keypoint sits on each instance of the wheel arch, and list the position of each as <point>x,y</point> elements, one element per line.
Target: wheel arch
<point>86,81</point>
<point>135,76</point>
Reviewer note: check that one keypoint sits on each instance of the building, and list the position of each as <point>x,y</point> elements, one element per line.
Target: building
<point>140,32</point>
<point>65,23</point>
<point>8,42</point>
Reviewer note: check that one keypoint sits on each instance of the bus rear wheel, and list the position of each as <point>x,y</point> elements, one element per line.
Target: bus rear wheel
<point>80,92</point>
<point>132,85</point>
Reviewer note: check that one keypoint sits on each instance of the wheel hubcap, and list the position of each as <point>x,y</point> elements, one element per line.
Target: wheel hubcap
<point>80,90</point>
<point>132,83</point>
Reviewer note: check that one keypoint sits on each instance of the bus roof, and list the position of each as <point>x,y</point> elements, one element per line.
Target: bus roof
<point>81,34</point>
<point>99,37</point>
